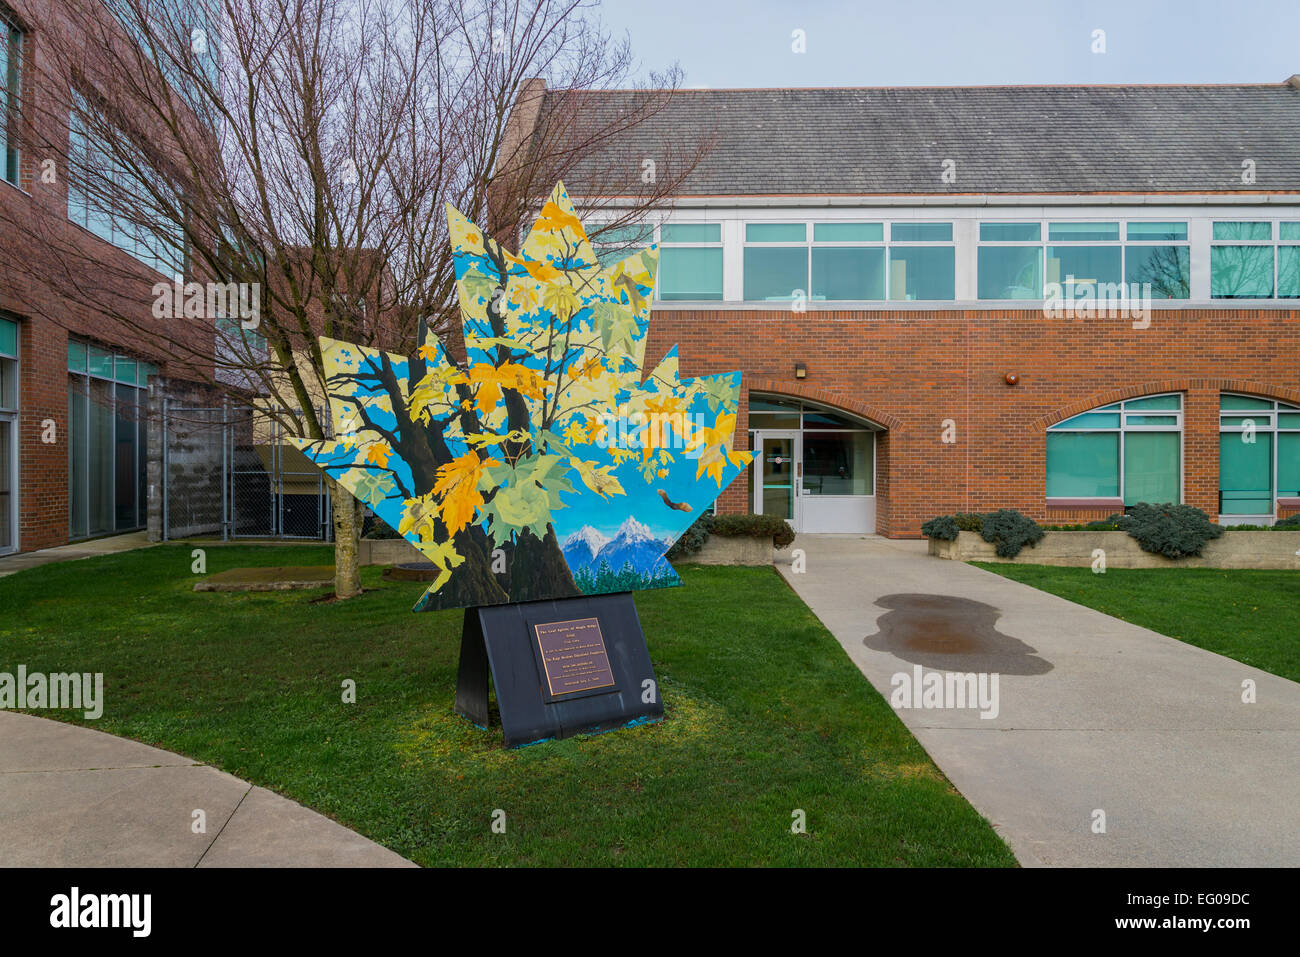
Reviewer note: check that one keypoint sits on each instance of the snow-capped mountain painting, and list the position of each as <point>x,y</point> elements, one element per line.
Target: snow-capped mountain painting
<point>581,548</point>
<point>601,563</point>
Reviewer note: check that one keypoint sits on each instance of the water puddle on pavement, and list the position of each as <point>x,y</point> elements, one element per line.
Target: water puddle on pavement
<point>951,634</point>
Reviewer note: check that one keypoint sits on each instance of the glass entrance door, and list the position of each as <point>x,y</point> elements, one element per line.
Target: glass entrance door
<point>8,478</point>
<point>776,489</point>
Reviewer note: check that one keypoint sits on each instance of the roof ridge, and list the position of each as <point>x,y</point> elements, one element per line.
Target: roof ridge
<point>985,86</point>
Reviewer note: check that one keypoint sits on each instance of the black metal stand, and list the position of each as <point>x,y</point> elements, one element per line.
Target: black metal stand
<point>504,641</point>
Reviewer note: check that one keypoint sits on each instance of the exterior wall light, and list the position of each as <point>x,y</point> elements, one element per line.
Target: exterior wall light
<point>1011,378</point>
<point>800,370</point>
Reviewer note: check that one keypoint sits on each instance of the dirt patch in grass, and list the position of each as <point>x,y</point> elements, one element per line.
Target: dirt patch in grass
<point>274,578</point>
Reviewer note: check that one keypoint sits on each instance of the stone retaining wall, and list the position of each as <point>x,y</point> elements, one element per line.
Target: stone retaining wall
<point>1231,550</point>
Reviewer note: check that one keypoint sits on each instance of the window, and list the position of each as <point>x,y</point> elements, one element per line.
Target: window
<point>1157,253</point>
<point>107,197</point>
<point>922,261</point>
<point>1288,261</point>
<point>107,440</point>
<point>8,435</point>
<point>1084,254</point>
<point>1083,259</point>
<point>11,62</point>
<point>848,261</point>
<point>1242,260</point>
<point>1130,450</point>
<point>838,452</point>
<point>1007,268</point>
<point>8,365</point>
<point>838,463</point>
<point>775,268</point>
<point>235,343</point>
<point>613,244</point>
<point>1259,454</point>
<point>690,261</point>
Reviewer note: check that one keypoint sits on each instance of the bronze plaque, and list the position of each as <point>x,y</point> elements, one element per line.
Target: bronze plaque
<point>573,656</point>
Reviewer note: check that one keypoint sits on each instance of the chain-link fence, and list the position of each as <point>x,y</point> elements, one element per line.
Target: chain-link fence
<point>231,472</point>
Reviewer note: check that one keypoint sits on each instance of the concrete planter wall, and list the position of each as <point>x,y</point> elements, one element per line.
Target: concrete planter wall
<point>734,550</point>
<point>1232,550</point>
<point>388,551</point>
<point>718,550</point>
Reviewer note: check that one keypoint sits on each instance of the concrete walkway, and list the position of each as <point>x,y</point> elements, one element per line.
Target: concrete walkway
<point>65,553</point>
<point>73,797</point>
<point>1095,714</point>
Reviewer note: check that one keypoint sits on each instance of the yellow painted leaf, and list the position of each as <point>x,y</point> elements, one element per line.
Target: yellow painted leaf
<point>457,484</point>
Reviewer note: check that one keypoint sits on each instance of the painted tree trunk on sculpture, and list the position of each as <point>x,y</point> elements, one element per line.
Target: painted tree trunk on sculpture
<point>472,583</point>
<point>539,570</point>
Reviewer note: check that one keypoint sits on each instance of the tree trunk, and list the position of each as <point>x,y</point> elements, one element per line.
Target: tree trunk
<point>347,542</point>
<point>538,569</point>
<point>472,583</point>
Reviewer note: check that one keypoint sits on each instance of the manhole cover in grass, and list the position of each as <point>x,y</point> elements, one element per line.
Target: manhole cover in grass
<point>413,572</point>
<point>951,634</point>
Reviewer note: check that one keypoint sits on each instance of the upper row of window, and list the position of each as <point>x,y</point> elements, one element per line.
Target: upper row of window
<point>865,261</point>
<point>11,55</point>
<point>85,359</point>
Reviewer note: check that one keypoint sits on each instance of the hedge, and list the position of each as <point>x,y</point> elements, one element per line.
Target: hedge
<point>731,526</point>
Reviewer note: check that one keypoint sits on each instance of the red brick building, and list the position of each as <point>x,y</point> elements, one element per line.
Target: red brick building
<point>78,347</point>
<point>1062,300</point>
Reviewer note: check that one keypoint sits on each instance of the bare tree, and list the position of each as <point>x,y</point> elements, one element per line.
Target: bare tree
<point>278,170</point>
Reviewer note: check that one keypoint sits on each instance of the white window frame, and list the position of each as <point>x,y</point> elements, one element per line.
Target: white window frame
<point>1273,231</point>
<point>894,243</point>
<point>1195,217</point>
<point>1122,428</point>
<point>12,415</point>
<point>1271,428</point>
<point>12,109</point>
<point>694,244</point>
<point>815,243</point>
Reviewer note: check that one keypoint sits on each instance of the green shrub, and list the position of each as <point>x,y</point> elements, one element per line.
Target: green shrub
<point>753,526</point>
<point>1291,524</point>
<point>1007,529</point>
<point>1175,531</point>
<point>730,526</point>
<point>944,528</point>
<point>1010,531</point>
<point>692,540</point>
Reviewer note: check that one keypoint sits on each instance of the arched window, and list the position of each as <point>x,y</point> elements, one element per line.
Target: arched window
<point>1259,455</point>
<point>1129,451</point>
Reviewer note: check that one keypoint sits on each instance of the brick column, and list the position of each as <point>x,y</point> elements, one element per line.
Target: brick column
<point>43,466</point>
<point>736,497</point>
<point>1201,449</point>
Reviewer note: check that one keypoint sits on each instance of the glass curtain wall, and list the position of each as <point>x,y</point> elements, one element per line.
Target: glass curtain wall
<point>107,444</point>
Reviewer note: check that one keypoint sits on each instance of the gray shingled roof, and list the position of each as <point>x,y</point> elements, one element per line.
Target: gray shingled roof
<point>1004,139</point>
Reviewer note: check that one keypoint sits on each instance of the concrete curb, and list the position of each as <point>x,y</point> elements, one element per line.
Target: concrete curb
<point>74,797</point>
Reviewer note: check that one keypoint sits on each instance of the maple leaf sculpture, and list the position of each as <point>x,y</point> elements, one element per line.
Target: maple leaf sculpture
<point>548,465</point>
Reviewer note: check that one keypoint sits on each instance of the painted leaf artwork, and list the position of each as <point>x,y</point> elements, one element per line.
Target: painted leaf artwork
<point>549,464</point>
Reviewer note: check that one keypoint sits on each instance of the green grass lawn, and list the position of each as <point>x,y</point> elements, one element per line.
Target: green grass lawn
<point>764,714</point>
<point>1243,614</point>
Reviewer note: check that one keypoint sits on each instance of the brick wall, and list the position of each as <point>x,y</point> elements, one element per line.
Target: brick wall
<point>909,371</point>
<point>58,280</point>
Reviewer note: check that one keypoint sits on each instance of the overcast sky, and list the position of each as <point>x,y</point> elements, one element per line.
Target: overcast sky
<point>747,43</point>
